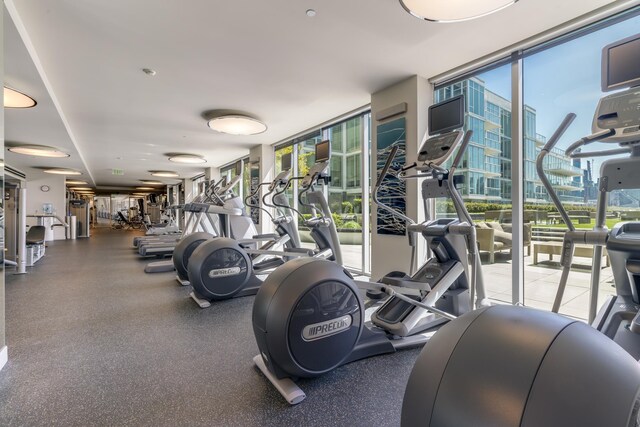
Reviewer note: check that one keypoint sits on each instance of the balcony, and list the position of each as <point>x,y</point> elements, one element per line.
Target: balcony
<point>541,140</point>
<point>492,148</point>
<point>491,172</point>
<point>565,187</point>
<point>565,170</point>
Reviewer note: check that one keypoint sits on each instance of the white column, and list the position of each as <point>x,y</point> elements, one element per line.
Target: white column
<point>212,173</point>
<point>417,94</point>
<point>187,184</point>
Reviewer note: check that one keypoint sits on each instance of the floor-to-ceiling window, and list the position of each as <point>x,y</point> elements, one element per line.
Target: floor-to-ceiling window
<point>486,168</point>
<point>350,141</point>
<point>565,79</point>
<point>561,75</point>
<point>230,172</point>
<point>345,191</point>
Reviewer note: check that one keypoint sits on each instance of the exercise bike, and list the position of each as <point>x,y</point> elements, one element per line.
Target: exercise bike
<point>309,315</point>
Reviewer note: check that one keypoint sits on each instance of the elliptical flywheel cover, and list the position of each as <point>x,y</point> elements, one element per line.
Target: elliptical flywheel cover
<point>307,317</point>
<point>184,249</point>
<point>219,269</point>
<point>520,367</point>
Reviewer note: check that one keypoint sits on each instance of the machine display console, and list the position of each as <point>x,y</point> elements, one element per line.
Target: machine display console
<point>446,116</point>
<point>438,149</point>
<point>621,110</point>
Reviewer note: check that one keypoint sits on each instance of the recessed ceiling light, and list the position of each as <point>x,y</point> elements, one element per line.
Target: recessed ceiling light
<point>15,99</point>
<point>38,150</point>
<point>187,158</point>
<point>311,13</point>
<point>145,188</point>
<point>75,182</point>
<point>165,174</point>
<point>62,171</point>
<point>81,188</point>
<point>453,11</point>
<point>151,182</point>
<point>149,72</point>
<point>235,124</point>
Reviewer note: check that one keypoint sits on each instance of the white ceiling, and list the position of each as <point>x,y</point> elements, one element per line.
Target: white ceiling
<point>263,57</point>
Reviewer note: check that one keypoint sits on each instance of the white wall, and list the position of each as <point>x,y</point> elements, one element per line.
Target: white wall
<point>417,93</point>
<point>56,195</point>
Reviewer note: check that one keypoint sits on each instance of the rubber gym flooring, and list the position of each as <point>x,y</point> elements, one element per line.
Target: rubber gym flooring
<point>94,341</point>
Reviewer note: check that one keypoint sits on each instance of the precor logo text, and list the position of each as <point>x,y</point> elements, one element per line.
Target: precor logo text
<point>327,328</point>
<point>224,272</point>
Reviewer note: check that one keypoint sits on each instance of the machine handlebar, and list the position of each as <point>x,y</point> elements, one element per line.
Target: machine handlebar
<point>387,165</point>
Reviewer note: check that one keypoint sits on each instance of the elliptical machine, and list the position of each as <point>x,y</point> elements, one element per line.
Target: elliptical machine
<point>222,268</point>
<point>309,316</point>
<point>242,229</point>
<point>617,121</point>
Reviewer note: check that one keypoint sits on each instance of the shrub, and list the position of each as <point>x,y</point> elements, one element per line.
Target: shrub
<point>347,207</point>
<point>351,225</point>
<point>337,220</point>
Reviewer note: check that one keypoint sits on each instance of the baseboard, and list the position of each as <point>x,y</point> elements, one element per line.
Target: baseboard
<point>4,356</point>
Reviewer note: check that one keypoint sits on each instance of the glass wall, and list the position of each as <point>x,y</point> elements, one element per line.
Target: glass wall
<point>557,81</point>
<point>486,168</point>
<point>246,178</point>
<point>349,142</point>
<point>345,191</point>
<point>231,171</point>
<point>279,153</point>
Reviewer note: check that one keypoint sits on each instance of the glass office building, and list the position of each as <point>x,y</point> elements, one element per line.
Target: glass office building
<point>486,165</point>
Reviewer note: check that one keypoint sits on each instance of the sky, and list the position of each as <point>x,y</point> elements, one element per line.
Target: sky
<point>564,79</point>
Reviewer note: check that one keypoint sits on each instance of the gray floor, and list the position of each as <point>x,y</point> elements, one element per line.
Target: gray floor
<point>95,341</point>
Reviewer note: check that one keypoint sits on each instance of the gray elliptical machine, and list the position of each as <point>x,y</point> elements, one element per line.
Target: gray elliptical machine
<point>243,230</point>
<point>616,121</point>
<point>222,268</point>
<point>309,315</point>
<point>519,367</point>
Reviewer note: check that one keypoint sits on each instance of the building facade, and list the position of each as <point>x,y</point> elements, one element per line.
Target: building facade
<point>486,165</point>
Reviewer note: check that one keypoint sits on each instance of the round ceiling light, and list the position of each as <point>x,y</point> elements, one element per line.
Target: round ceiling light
<point>15,99</point>
<point>38,150</point>
<point>62,171</point>
<point>187,158</point>
<point>453,10</point>
<point>164,174</point>
<point>234,124</point>
<point>76,182</point>
<point>151,182</point>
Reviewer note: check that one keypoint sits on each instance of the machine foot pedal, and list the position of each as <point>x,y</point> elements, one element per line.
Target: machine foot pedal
<point>286,387</point>
<point>182,282</point>
<point>202,303</point>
